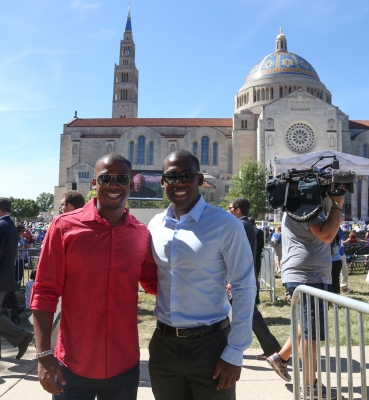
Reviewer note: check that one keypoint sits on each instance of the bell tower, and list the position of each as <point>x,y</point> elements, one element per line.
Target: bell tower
<point>125,93</point>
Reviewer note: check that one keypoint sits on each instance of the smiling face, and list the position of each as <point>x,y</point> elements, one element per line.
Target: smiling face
<point>183,195</point>
<point>111,199</point>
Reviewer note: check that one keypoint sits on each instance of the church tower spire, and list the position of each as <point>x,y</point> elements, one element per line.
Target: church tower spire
<point>281,42</point>
<point>125,93</point>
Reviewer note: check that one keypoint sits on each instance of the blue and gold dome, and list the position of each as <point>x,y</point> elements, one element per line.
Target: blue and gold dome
<point>281,62</point>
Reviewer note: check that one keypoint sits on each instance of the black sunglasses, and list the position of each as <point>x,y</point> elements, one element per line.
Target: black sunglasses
<point>186,176</point>
<point>121,179</point>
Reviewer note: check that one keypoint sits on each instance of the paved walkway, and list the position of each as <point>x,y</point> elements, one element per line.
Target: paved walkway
<point>19,381</point>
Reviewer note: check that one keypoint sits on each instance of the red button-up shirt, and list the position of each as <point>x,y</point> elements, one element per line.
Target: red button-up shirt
<point>96,268</point>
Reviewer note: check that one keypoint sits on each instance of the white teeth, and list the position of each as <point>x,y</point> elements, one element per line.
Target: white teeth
<point>113,195</point>
<point>180,193</point>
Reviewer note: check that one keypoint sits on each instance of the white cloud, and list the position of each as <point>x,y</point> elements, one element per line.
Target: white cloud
<point>28,177</point>
<point>5,108</point>
<point>25,53</point>
<point>84,5</point>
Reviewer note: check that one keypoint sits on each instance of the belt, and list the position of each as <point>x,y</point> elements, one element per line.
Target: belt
<point>192,332</point>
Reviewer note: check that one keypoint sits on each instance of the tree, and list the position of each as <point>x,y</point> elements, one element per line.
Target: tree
<point>250,184</point>
<point>45,201</point>
<point>24,208</point>
<point>90,195</point>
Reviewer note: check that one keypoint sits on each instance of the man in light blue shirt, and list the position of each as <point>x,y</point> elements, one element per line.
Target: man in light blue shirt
<point>195,353</point>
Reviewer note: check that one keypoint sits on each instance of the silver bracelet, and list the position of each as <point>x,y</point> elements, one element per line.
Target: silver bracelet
<point>44,353</point>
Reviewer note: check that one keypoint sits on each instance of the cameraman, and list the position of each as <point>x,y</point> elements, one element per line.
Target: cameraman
<point>306,260</point>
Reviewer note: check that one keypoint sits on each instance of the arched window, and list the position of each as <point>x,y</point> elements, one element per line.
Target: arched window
<point>194,148</point>
<point>205,150</point>
<point>151,153</point>
<point>365,151</point>
<point>141,150</point>
<point>215,153</point>
<point>131,152</point>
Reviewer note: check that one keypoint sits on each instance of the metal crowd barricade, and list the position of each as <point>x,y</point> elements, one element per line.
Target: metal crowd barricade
<point>26,261</point>
<point>352,371</point>
<point>267,274</point>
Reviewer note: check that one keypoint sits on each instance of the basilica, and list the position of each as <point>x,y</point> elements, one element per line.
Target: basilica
<point>283,117</point>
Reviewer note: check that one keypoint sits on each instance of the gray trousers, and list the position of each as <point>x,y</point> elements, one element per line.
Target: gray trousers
<point>8,330</point>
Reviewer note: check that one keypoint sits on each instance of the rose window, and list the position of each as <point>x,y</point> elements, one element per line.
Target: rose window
<point>300,138</point>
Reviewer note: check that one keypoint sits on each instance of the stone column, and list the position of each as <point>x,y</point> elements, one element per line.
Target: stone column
<point>364,197</point>
<point>354,201</point>
<point>339,136</point>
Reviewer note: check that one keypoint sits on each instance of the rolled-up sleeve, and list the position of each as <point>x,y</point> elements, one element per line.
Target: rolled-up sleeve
<point>50,275</point>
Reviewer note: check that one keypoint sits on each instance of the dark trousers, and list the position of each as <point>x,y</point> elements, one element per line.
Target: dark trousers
<point>8,329</point>
<point>257,274</point>
<point>267,341</point>
<point>120,387</point>
<point>183,368</point>
<point>336,272</point>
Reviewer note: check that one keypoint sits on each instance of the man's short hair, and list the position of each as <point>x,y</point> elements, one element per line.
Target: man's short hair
<point>74,198</point>
<point>5,205</point>
<point>183,154</point>
<point>242,204</point>
<point>253,222</point>
<point>114,157</point>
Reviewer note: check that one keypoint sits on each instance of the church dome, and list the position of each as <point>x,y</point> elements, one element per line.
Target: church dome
<point>277,75</point>
<point>281,63</point>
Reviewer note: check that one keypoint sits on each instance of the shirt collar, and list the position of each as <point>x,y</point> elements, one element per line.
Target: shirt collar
<point>91,213</point>
<point>195,212</point>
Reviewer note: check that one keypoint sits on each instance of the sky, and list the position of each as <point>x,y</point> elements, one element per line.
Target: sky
<point>192,55</point>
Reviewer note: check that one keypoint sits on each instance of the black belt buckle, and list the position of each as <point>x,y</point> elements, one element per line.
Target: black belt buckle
<point>177,332</point>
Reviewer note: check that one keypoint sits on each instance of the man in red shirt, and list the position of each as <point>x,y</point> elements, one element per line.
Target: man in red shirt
<point>94,257</point>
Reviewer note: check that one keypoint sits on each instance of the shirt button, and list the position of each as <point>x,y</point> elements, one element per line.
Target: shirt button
<point>174,266</point>
<point>174,309</point>
<point>174,287</point>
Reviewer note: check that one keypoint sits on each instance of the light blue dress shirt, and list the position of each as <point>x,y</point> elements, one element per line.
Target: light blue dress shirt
<point>194,256</point>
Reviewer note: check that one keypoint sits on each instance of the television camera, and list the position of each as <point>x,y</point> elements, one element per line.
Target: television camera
<point>301,192</point>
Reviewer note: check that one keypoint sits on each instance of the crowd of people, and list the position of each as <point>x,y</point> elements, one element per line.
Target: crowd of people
<point>202,264</point>
<point>359,226</point>
<point>33,233</point>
